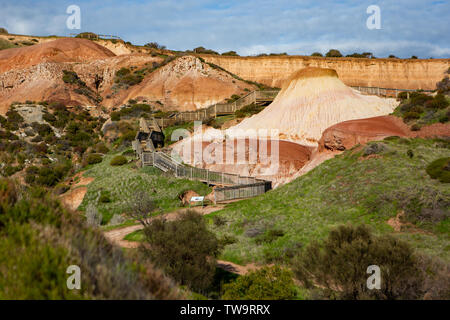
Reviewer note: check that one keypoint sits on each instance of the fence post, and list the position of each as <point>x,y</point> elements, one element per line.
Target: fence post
<point>192,175</point>
<point>215,110</point>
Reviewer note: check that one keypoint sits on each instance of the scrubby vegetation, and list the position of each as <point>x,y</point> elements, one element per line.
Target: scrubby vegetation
<point>249,110</point>
<point>327,264</point>
<point>122,183</point>
<point>71,77</point>
<point>39,240</point>
<point>422,109</point>
<point>268,283</point>
<point>118,161</point>
<point>333,53</point>
<point>5,44</point>
<point>185,249</point>
<point>440,169</point>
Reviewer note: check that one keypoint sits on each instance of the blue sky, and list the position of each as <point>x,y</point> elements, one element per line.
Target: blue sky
<point>408,27</point>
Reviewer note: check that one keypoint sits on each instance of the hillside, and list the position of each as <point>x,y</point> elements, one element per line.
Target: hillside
<point>184,84</point>
<point>60,50</point>
<point>371,185</point>
<point>39,240</point>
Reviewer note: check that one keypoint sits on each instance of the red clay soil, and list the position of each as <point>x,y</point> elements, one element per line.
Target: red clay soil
<point>346,134</point>
<point>291,157</point>
<point>61,50</point>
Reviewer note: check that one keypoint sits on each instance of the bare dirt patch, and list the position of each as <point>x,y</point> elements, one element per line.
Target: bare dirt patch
<point>74,197</point>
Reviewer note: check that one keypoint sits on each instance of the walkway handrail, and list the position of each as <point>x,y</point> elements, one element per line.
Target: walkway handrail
<point>262,95</point>
<point>235,186</point>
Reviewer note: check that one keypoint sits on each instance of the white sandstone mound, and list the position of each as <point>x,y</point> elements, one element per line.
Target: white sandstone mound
<point>312,100</point>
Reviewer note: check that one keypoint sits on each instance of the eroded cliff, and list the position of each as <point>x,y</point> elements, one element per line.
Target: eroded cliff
<point>384,73</point>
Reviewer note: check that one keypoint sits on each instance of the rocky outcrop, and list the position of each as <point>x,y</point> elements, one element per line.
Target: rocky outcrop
<point>185,84</point>
<point>311,101</point>
<point>345,135</point>
<point>384,73</point>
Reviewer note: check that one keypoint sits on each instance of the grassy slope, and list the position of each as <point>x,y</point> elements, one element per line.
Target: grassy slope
<point>121,182</point>
<point>5,44</point>
<point>342,190</point>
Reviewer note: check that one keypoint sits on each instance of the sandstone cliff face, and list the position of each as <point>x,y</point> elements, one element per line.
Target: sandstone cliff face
<point>384,73</point>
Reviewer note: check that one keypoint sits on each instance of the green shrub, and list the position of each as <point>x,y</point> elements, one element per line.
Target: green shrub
<point>411,116</point>
<point>94,158</point>
<point>439,102</point>
<point>230,53</point>
<point>249,110</point>
<point>268,283</point>
<point>118,161</point>
<point>184,248</point>
<point>104,197</point>
<point>269,236</point>
<point>341,261</point>
<point>440,169</point>
<point>333,53</point>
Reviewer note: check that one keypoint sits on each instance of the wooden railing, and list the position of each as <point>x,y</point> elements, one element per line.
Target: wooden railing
<point>385,92</point>
<point>233,187</point>
<point>218,109</point>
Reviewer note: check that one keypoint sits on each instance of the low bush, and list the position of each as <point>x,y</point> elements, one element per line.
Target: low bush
<point>249,110</point>
<point>94,158</point>
<point>440,170</point>
<point>184,248</point>
<point>118,161</point>
<point>339,264</point>
<point>268,283</point>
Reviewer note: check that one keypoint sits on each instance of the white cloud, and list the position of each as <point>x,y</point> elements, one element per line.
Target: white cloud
<point>250,26</point>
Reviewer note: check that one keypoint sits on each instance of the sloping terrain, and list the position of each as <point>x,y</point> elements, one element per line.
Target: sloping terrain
<point>185,84</point>
<point>35,73</point>
<point>61,50</point>
<point>39,240</point>
<point>370,185</point>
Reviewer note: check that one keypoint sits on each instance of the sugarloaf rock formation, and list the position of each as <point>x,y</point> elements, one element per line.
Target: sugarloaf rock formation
<point>312,100</point>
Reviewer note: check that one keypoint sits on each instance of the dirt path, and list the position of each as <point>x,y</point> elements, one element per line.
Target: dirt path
<point>117,236</point>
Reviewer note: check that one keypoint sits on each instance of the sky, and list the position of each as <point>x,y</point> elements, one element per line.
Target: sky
<point>249,27</point>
